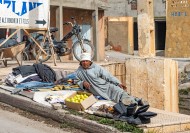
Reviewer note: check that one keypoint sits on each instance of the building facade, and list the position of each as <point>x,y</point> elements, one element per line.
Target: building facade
<point>121,8</point>
<point>88,13</point>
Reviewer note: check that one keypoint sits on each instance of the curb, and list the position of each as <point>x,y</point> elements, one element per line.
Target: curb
<point>57,115</point>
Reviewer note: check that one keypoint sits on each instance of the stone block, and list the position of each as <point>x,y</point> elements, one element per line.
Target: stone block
<point>171,129</point>
<point>154,80</point>
<point>185,126</point>
<point>154,130</point>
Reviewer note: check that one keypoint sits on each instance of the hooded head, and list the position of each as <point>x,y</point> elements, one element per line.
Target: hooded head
<point>85,61</point>
<point>85,56</point>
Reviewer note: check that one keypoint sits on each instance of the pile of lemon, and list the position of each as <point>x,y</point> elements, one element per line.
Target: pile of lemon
<point>57,88</point>
<point>77,98</point>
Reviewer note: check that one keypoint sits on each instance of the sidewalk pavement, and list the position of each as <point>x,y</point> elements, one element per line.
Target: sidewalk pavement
<point>57,115</point>
<point>164,122</point>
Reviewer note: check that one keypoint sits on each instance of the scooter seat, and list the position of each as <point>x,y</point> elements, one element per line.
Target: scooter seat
<point>53,29</point>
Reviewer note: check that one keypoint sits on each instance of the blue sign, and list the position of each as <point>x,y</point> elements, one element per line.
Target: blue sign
<point>26,6</point>
<point>178,14</point>
<point>24,13</point>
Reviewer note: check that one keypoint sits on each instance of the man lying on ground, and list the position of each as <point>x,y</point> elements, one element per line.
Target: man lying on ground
<point>100,82</point>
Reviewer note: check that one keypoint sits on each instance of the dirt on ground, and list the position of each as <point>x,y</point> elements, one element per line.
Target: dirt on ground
<point>34,117</point>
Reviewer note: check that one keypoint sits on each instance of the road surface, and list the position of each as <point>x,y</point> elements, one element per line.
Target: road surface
<point>13,120</point>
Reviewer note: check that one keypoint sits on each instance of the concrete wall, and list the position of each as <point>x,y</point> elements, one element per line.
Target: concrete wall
<point>159,8</point>
<point>177,31</point>
<point>119,8</point>
<point>146,30</point>
<point>85,4</point>
<point>123,8</point>
<point>82,4</point>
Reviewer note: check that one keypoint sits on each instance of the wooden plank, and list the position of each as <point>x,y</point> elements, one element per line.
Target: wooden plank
<point>171,94</point>
<point>110,68</point>
<point>120,69</point>
<point>35,41</point>
<point>130,36</point>
<point>122,79</point>
<point>101,38</point>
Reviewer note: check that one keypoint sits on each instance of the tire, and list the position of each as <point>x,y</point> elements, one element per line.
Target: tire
<point>77,51</point>
<point>25,56</point>
<point>46,47</point>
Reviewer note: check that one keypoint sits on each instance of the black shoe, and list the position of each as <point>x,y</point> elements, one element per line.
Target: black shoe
<point>137,121</point>
<point>147,115</point>
<point>141,102</point>
<point>131,109</point>
<point>120,108</point>
<point>141,109</point>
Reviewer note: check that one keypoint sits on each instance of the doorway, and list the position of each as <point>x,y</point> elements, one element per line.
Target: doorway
<point>160,35</point>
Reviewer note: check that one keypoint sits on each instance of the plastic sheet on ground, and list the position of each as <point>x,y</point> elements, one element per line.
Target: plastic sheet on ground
<point>40,96</point>
<point>95,106</point>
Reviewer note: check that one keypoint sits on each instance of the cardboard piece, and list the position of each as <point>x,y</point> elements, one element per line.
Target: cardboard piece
<point>82,105</point>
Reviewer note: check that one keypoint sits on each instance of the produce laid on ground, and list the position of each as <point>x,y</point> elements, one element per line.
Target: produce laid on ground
<point>57,88</point>
<point>78,98</point>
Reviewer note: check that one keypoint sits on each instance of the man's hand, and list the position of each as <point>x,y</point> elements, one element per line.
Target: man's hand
<point>86,85</point>
<point>123,86</point>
